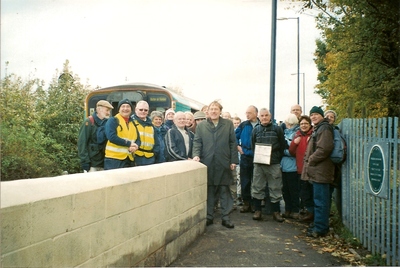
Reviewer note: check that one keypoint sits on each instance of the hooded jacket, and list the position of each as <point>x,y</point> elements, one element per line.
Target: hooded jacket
<point>318,166</point>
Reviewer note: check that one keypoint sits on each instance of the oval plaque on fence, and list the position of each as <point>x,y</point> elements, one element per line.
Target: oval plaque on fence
<point>376,169</point>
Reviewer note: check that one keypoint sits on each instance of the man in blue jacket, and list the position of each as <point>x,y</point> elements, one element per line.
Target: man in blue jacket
<point>243,139</point>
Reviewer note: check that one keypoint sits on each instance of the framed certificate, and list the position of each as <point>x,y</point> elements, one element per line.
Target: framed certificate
<point>262,153</point>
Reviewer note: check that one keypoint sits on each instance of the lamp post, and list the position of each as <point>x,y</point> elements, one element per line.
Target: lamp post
<point>304,89</point>
<point>298,54</point>
<point>273,59</point>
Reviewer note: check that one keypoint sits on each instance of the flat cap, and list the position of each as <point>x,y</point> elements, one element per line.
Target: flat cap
<point>104,103</point>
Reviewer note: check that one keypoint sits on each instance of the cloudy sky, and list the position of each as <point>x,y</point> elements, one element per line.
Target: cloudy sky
<point>212,49</point>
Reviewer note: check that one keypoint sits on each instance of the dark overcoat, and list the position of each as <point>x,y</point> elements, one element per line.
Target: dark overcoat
<point>217,148</point>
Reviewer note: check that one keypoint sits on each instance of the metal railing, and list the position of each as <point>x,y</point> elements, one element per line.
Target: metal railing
<point>370,184</point>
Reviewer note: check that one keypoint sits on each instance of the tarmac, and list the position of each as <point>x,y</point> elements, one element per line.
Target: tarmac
<point>251,243</point>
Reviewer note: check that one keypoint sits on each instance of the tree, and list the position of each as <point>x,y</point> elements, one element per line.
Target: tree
<point>39,128</point>
<point>62,116</point>
<point>358,56</point>
<point>22,141</point>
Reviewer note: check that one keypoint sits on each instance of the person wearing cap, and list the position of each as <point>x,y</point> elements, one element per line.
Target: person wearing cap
<point>122,138</point>
<point>198,117</point>
<point>318,169</point>
<point>331,116</point>
<point>90,149</point>
<point>169,118</point>
<point>149,148</point>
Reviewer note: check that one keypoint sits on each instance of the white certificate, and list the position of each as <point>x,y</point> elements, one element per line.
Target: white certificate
<point>262,153</point>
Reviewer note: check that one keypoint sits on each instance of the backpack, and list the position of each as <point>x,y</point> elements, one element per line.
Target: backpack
<point>91,119</point>
<point>339,152</point>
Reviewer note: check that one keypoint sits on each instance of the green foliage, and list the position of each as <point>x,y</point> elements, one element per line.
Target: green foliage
<point>358,57</point>
<point>62,116</point>
<point>339,228</point>
<point>39,127</point>
<point>375,260</point>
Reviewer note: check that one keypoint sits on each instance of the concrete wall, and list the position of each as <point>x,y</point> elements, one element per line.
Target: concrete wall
<point>142,216</point>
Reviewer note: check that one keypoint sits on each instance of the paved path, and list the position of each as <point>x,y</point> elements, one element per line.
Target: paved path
<point>255,243</point>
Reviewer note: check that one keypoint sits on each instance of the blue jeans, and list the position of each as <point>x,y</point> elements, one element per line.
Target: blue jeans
<point>321,207</point>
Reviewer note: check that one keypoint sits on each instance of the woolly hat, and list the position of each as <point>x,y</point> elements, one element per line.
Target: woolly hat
<point>317,110</point>
<point>199,115</point>
<point>331,111</point>
<point>169,111</point>
<point>125,101</point>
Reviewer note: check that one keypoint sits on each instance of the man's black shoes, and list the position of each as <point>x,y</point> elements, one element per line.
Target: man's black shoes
<point>228,224</point>
<point>209,222</point>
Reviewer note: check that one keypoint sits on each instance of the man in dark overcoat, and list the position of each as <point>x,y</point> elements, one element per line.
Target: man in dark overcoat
<point>215,146</point>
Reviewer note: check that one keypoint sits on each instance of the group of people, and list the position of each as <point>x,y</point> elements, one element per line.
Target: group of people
<point>292,160</point>
<point>133,138</point>
<point>298,168</point>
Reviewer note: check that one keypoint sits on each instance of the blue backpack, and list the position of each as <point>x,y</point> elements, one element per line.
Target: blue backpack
<point>339,153</point>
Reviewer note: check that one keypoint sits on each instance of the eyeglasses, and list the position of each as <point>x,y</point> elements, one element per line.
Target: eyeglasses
<point>304,124</point>
<point>146,110</point>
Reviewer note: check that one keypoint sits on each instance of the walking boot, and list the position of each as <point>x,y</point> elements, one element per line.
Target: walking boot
<point>246,207</point>
<point>307,217</point>
<point>286,214</point>
<point>277,217</point>
<point>257,215</point>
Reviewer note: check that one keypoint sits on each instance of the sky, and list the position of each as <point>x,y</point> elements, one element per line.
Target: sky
<point>211,49</point>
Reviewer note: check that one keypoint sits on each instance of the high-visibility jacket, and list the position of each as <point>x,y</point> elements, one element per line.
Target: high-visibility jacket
<point>147,140</point>
<point>124,132</point>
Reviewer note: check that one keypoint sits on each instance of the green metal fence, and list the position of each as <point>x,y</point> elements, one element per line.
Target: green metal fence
<point>370,184</point>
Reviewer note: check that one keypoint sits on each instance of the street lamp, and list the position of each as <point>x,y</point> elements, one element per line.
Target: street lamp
<point>298,54</point>
<point>304,89</point>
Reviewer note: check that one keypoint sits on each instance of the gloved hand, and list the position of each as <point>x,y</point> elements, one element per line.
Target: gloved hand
<point>86,167</point>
